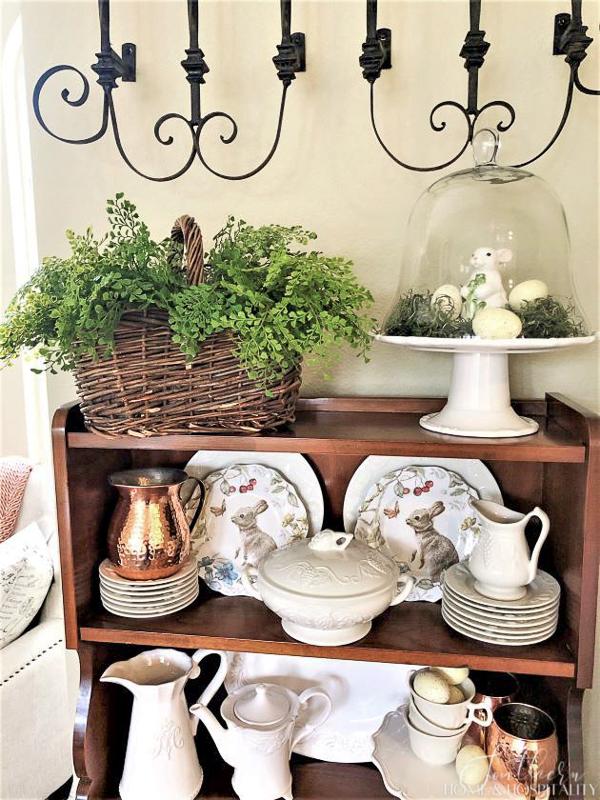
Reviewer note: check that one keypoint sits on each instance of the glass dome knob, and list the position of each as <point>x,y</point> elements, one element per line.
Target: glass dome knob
<point>485,144</point>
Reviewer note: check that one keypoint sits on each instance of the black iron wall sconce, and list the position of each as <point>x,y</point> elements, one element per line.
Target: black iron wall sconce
<point>570,40</point>
<point>109,67</point>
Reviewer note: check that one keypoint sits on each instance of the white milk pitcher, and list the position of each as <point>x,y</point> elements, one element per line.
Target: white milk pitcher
<point>161,759</point>
<point>500,562</point>
<point>263,726</point>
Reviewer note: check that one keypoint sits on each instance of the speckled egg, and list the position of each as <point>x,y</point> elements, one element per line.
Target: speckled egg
<point>525,292</point>
<point>472,765</point>
<point>456,696</point>
<point>449,299</point>
<point>454,675</point>
<point>496,323</point>
<point>430,685</point>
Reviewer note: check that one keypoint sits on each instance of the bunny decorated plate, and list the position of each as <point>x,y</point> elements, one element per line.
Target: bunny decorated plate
<point>249,510</point>
<point>421,516</point>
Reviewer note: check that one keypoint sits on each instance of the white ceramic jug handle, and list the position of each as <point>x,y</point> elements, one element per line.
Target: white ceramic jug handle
<point>488,716</point>
<point>211,690</point>
<point>409,582</point>
<point>246,574</point>
<point>305,730</point>
<point>533,561</point>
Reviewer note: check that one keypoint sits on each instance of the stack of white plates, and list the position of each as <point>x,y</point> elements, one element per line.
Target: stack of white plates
<point>527,621</point>
<point>154,598</point>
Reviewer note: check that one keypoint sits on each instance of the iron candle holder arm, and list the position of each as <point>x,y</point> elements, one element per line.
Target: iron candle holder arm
<point>376,56</point>
<point>109,67</point>
<point>570,39</point>
<point>290,59</point>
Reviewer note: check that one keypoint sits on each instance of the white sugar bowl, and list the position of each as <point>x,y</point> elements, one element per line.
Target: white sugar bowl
<point>328,589</point>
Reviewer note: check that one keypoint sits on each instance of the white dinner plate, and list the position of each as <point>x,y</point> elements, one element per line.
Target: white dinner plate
<point>293,466</point>
<point>149,598</point>
<point>249,510</point>
<point>409,778</point>
<point>127,611</point>
<point>488,639</point>
<point>361,693</point>
<point>494,631</point>
<point>108,575</point>
<point>150,605</point>
<point>420,515</point>
<point>472,471</point>
<point>542,591</point>
<point>493,621</point>
<point>486,613</point>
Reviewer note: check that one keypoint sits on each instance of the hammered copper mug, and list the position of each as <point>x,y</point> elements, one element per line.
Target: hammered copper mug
<point>149,535</point>
<point>522,746</point>
<point>493,690</point>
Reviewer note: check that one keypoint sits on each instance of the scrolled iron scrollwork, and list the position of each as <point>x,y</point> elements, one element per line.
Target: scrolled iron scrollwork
<point>570,40</point>
<point>110,67</point>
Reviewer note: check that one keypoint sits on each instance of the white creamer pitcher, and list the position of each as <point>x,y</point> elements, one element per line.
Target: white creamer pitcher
<point>500,562</point>
<point>161,760</point>
<point>264,722</point>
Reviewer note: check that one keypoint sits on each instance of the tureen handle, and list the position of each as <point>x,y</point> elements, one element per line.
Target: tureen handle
<point>246,575</point>
<point>403,588</point>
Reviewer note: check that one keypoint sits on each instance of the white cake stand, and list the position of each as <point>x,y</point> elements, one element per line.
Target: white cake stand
<point>479,395</point>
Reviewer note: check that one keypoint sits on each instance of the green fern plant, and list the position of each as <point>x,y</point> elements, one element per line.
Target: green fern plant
<point>282,300</point>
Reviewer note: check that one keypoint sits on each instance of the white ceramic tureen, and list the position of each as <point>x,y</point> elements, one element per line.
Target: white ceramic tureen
<point>328,589</point>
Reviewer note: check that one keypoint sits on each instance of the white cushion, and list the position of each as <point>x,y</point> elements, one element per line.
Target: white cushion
<point>25,576</point>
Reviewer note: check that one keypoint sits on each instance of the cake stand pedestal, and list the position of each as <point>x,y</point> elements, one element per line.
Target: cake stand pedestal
<point>479,395</point>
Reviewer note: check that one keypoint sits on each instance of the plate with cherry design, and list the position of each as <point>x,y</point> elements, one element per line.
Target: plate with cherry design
<point>418,511</point>
<point>249,510</point>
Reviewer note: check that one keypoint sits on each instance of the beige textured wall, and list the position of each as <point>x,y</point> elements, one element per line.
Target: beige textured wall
<point>329,173</point>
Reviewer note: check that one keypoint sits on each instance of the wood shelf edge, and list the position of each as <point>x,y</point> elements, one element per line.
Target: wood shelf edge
<point>493,662</point>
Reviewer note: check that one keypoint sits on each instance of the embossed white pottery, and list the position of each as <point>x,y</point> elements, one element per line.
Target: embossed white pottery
<point>453,715</point>
<point>328,589</point>
<point>346,736</point>
<point>161,759</point>
<point>431,749</point>
<point>500,562</point>
<point>264,723</point>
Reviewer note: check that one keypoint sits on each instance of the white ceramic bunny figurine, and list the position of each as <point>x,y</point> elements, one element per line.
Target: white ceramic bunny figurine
<point>485,287</point>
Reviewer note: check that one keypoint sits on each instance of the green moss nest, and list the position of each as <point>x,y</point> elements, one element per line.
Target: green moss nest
<point>544,318</point>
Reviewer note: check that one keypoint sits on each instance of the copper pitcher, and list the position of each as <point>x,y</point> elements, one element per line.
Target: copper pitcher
<point>149,535</point>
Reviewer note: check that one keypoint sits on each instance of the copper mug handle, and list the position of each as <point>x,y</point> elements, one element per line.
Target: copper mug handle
<point>184,503</point>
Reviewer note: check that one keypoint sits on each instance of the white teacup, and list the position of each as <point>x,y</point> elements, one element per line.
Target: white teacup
<point>434,749</point>
<point>453,715</point>
<point>422,724</point>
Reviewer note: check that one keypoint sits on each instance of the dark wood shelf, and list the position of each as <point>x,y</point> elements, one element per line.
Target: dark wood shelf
<point>556,468</point>
<point>412,633</point>
<point>357,433</point>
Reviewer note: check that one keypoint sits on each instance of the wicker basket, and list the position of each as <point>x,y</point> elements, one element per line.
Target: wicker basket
<point>146,387</point>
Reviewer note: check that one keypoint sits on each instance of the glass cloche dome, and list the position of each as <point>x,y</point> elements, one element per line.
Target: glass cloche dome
<point>485,274</point>
<point>475,235</point>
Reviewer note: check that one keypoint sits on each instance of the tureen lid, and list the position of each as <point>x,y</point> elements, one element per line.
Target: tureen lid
<point>330,564</point>
<point>262,704</point>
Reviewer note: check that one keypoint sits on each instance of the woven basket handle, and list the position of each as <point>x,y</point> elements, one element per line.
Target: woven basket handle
<point>187,230</point>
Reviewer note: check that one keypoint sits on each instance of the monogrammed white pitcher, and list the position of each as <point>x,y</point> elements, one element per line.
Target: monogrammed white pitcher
<point>500,562</point>
<point>161,760</point>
